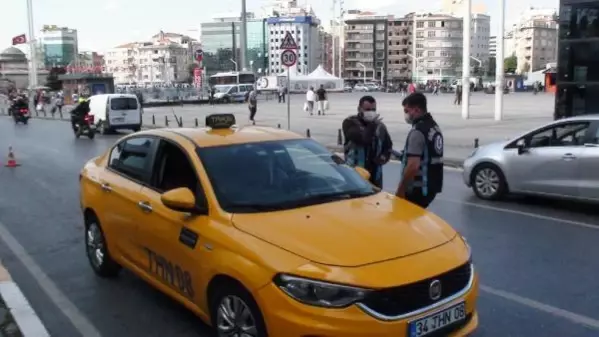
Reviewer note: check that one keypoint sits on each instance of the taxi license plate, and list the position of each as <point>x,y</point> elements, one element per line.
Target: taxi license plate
<point>437,321</point>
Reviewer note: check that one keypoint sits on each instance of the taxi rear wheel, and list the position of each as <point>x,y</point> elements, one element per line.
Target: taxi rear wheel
<point>97,250</point>
<point>234,312</point>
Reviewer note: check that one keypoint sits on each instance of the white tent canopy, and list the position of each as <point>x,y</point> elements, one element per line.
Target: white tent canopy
<point>301,83</point>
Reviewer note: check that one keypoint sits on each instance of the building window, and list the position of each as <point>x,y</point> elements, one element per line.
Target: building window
<point>419,34</point>
<point>431,53</point>
<point>431,33</point>
<point>431,24</point>
<point>420,24</point>
<point>419,53</point>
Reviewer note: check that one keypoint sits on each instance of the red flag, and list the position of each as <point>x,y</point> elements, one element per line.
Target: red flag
<point>20,39</point>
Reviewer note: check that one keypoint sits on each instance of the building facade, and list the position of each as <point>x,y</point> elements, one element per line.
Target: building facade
<point>306,33</point>
<point>493,46</point>
<point>578,70</point>
<point>221,44</point>
<point>164,59</point>
<point>437,47</point>
<point>535,39</point>
<point>400,39</point>
<point>326,50</point>
<point>366,48</point>
<point>59,46</point>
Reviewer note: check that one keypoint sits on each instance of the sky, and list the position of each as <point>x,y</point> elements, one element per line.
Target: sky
<point>105,24</point>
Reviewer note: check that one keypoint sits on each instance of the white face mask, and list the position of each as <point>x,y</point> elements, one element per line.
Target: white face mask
<point>370,115</point>
<point>407,118</point>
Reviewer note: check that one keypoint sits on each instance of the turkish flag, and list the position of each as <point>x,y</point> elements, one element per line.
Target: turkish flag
<point>20,39</point>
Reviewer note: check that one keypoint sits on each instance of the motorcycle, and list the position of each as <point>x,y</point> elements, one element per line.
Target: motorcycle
<point>21,115</point>
<point>85,126</point>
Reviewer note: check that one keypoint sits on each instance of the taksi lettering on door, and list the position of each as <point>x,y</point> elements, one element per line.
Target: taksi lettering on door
<point>170,273</point>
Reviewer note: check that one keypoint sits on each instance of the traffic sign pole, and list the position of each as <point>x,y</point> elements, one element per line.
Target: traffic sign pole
<point>288,59</point>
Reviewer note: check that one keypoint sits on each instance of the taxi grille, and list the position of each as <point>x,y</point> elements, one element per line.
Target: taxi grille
<point>408,298</point>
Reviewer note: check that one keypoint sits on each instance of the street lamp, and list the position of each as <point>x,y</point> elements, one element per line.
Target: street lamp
<point>415,67</point>
<point>364,73</point>
<point>32,55</point>
<point>244,35</point>
<point>235,63</point>
<point>499,70</point>
<point>466,59</point>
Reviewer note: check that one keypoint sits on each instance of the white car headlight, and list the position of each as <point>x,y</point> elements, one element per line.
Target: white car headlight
<point>318,293</point>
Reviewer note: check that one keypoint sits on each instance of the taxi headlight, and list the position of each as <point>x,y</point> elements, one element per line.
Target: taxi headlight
<point>318,293</point>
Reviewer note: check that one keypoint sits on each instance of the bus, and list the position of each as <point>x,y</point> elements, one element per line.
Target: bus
<point>578,70</point>
<point>232,77</point>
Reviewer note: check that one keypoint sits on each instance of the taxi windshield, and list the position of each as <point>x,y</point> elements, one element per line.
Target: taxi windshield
<point>279,175</point>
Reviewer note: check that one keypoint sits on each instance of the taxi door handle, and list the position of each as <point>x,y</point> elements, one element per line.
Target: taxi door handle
<point>106,187</point>
<point>144,206</point>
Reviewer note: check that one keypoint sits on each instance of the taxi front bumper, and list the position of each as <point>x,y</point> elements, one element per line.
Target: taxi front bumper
<point>285,317</point>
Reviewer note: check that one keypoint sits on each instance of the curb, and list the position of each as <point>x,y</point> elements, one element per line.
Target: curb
<point>20,309</point>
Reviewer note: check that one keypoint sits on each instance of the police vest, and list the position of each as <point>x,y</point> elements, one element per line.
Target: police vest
<point>430,176</point>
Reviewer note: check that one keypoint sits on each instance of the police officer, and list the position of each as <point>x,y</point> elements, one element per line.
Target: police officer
<point>422,158</point>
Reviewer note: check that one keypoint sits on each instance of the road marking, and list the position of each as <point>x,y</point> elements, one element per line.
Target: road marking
<point>79,321</point>
<point>529,214</point>
<point>527,302</point>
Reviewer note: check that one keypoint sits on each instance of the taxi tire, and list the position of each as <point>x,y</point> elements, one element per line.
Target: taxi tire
<point>502,189</point>
<point>109,268</point>
<point>232,288</point>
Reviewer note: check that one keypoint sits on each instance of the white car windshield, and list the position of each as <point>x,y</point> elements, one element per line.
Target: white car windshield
<point>223,89</point>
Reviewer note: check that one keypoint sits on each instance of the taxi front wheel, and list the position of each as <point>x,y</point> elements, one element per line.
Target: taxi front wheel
<point>97,250</point>
<point>234,312</point>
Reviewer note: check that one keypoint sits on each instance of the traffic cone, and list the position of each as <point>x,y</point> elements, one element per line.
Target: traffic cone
<point>11,162</point>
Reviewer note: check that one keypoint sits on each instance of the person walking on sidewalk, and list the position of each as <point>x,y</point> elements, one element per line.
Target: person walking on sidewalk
<point>310,98</point>
<point>458,95</point>
<point>367,142</point>
<point>322,96</point>
<point>252,100</point>
<point>422,157</point>
<point>282,92</point>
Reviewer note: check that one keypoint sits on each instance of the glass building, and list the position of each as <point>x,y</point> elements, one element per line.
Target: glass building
<point>578,70</point>
<point>59,45</point>
<point>221,44</point>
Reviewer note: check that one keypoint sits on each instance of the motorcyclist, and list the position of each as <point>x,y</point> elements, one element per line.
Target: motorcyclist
<point>78,113</point>
<point>19,102</point>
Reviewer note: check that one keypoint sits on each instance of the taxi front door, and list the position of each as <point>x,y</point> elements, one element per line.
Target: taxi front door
<point>169,241</point>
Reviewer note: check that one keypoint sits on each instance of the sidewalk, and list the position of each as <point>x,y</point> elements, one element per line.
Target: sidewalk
<point>17,318</point>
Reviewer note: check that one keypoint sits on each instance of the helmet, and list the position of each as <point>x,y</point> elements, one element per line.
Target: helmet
<point>82,100</point>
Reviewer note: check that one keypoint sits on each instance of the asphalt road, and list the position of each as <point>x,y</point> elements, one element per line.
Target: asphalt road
<point>537,259</point>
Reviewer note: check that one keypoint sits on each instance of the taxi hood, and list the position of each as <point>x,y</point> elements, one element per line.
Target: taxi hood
<point>351,232</point>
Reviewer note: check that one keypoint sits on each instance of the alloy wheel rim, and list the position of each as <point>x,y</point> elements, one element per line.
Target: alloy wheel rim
<point>234,318</point>
<point>487,182</point>
<point>95,244</point>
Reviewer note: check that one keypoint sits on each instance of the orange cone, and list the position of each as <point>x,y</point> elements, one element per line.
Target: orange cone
<point>11,162</point>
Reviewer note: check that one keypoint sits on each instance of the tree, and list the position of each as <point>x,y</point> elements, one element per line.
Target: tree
<point>491,66</point>
<point>510,64</point>
<point>52,80</point>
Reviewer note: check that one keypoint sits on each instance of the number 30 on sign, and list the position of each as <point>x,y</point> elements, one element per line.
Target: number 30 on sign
<point>288,58</point>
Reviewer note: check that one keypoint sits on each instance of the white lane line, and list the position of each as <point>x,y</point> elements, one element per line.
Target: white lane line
<point>527,302</point>
<point>528,214</point>
<point>79,321</point>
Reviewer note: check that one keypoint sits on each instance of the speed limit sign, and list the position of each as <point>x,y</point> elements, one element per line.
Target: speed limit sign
<point>288,58</point>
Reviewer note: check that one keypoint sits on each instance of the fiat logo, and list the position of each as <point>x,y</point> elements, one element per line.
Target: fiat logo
<point>434,290</point>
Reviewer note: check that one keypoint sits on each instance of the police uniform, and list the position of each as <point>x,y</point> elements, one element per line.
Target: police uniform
<point>429,179</point>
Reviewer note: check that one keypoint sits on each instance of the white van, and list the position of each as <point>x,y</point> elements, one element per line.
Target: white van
<point>116,111</point>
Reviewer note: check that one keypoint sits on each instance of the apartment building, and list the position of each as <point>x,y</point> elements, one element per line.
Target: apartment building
<point>492,46</point>
<point>437,46</point>
<point>162,60</point>
<point>535,39</point>
<point>365,47</point>
<point>399,48</point>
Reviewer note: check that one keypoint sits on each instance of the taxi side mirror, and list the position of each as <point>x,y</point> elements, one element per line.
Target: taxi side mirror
<point>362,172</point>
<point>180,199</point>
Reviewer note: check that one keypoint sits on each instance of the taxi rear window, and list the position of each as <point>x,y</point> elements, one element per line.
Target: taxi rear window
<point>123,103</point>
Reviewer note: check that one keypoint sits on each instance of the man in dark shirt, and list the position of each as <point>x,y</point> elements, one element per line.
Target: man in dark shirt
<point>321,94</point>
<point>367,142</point>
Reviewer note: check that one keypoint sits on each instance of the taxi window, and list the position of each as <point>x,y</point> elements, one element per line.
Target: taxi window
<point>278,175</point>
<point>132,157</point>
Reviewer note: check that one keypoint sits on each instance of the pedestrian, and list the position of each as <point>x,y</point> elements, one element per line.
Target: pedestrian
<point>253,104</point>
<point>321,94</point>
<point>458,95</point>
<point>422,157</point>
<point>367,142</point>
<point>310,98</point>
<point>281,90</point>
<point>211,95</point>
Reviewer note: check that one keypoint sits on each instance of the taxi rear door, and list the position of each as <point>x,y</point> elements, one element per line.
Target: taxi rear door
<point>127,171</point>
<point>168,239</point>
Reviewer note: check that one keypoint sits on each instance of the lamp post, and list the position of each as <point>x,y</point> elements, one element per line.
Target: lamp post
<point>466,59</point>
<point>244,35</point>
<point>236,69</point>
<point>32,56</point>
<point>364,73</point>
<point>499,69</point>
<point>415,65</point>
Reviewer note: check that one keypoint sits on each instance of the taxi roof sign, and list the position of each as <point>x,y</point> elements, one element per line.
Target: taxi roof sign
<point>220,121</point>
<point>288,42</point>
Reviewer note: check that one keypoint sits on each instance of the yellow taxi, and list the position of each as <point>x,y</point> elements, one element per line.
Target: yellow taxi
<point>262,232</point>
